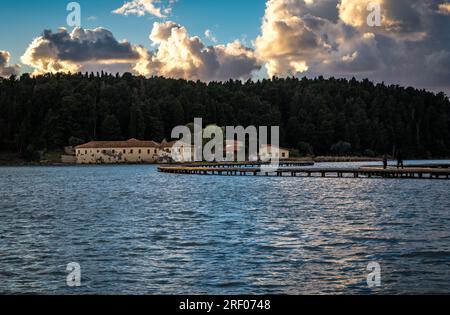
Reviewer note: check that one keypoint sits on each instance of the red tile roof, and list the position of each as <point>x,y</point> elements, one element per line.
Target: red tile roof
<point>167,145</point>
<point>132,143</point>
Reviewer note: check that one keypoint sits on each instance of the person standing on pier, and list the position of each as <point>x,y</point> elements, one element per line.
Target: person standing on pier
<point>385,162</point>
<point>400,159</point>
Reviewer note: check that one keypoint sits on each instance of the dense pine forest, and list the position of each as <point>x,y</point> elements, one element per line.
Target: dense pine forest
<point>316,116</point>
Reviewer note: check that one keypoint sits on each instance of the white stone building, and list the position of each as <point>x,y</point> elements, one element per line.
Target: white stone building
<point>111,152</point>
<point>132,151</point>
<point>178,151</point>
<point>267,152</point>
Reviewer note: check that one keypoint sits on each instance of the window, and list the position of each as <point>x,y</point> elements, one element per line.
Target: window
<point>131,151</point>
<point>114,151</point>
<point>124,151</point>
<point>86,152</point>
<point>148,151</point>
<point>283,154</point>
<point>140,151</point>
<point>156,151</point>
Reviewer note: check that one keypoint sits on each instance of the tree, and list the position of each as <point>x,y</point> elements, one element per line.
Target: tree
<point>341,148</point>
<point>305,149</point>
<point>137,123</point>
<point>293,130</point>
<point>30,154</point>
<point>111,128</point>
<point>45,111</point>
<point>74,141</point>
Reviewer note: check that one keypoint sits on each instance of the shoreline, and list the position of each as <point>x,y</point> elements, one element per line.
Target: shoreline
<point>320,159</point>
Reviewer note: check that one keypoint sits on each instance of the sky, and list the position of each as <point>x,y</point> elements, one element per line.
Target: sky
<point>216,40</point>
<point>30,17</point>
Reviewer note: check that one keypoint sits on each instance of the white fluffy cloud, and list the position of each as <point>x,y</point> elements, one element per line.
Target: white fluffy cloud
<point>80,50</point>
<point>143,7</point>
<point>298,37</point>
<point>5,69</point>
<point>179,55</point>
<point>401,19</point>
<point>332,38</point>
<point>444,8</point>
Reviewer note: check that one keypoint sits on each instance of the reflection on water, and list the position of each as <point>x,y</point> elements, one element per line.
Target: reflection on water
<point>135,231</point>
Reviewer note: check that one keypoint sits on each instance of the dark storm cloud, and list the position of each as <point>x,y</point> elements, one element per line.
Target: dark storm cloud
<point>85,45</point>
<point>64,51</point>
<point>5,69</point>
<point>333,38</point>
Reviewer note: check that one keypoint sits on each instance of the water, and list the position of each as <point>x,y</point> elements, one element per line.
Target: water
<point>136,231</point>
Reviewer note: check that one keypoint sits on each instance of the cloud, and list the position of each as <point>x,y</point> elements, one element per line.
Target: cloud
<point>399,18</point>
<point>298,37</point>
<point>209,35</point>
<point>176,54</point>
<point>444,8</point>
<point>332,38</point>
<point>291,37</point>
<point>78,51</point>
<point>440,63</point>
<point>179,55</point>
<point>143,7</point>
<point>5,69</point>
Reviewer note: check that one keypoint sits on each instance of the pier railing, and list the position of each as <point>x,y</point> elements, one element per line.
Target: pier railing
<point>286,163</point>
<point>364,172</point>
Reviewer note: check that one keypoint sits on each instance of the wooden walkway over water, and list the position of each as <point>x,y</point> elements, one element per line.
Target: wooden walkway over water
<point>285,163</point>
<point>365,172</point>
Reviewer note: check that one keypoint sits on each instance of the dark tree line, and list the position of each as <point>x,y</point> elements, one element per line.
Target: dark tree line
<point>316,116</point>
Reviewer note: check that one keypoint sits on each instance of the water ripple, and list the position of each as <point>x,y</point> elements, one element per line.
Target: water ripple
<point>136,231</point>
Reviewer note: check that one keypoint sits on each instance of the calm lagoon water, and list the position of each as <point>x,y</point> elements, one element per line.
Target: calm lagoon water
<point>136,231</point>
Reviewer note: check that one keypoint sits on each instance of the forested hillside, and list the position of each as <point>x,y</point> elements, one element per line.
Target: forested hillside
<point>319,116</point>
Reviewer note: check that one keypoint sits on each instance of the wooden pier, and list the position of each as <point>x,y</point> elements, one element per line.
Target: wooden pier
<point>430,166</point>
<point>365,172</point>
<point>285,163</point>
